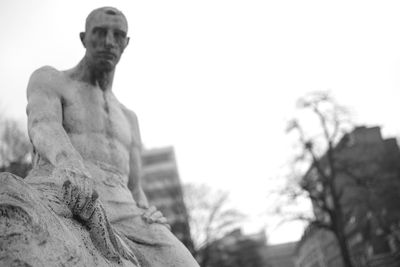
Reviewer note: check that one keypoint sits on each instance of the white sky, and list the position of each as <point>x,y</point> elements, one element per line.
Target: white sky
<point>218,79</point>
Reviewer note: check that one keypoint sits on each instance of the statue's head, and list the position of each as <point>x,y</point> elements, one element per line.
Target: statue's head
<point>105,38</point>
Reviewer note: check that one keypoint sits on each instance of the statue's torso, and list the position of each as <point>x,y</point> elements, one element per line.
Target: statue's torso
<point>96,124</point>
<point>99,129</point>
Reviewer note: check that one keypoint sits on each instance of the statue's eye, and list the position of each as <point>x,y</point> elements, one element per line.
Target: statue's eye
<point>119,35</point>
<point>100,31</point>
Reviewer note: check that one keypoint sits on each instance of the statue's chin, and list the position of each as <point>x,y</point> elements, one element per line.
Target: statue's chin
<point>105,66</point>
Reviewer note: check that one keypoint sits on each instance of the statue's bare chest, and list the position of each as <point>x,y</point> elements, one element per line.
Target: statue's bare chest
<point>91,111</point>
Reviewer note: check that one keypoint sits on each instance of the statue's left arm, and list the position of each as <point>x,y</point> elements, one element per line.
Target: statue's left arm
<point>151,214</point>
<point>135,162</point>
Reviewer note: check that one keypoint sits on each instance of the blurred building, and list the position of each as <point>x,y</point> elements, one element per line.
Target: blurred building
<point>243,250</point>
<point>368,179</point>
<point>281,255</point>
<point>163,188</point>
<point>318,248</point>
<point>235,250</point>
<point>19,168</point>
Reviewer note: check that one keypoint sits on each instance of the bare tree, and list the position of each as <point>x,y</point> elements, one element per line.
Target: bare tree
<point>210,217</point>
<point>345,182</point>
<point>15,147</point>
<point>320,183</point>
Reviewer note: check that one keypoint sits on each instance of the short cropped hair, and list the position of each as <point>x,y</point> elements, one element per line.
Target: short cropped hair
<point>107,10</point>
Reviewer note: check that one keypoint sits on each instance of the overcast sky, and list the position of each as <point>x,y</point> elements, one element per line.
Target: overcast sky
<point>218,80</point>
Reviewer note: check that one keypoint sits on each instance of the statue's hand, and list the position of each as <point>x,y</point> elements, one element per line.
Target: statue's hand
<point>152,215</point>
<point>93,216</point>
<point>81,187</point>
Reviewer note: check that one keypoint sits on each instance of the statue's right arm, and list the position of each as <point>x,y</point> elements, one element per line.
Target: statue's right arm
<point>45,117</point>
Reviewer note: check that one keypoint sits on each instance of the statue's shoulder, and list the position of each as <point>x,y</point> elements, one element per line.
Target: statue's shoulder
<point>129,114</point>
<point>134,125</point>
<point>46,73</point>
<point>44,79</point>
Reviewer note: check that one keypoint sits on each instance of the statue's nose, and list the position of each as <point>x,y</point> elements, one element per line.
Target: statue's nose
<point>109,41</point>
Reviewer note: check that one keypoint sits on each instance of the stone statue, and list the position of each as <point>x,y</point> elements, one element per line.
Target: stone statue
<point>82,204</point>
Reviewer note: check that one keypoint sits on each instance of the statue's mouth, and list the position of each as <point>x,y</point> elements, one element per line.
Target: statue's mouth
<point>107,55</point>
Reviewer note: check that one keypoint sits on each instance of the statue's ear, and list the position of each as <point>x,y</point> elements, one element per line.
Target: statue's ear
<point>82,37</point>
<point>127,42</point>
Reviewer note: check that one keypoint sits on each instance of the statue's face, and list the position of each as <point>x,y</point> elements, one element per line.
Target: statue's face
<point>105,40</point>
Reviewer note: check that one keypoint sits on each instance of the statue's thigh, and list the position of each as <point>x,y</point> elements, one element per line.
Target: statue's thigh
<point>170,252</point>
<point>154,244</point>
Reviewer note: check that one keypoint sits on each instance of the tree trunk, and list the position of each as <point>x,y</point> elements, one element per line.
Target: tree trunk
<point>205,258</point>
<point>344,249</point>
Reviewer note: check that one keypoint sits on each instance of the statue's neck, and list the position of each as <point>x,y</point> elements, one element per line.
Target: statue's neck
<point>94,76</point>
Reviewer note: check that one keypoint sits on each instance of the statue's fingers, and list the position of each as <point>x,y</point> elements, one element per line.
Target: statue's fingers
<point>88,209</point>
<point>80,203</point>
<point>67,191</point>
<point>67,183</point>
<point>157,215</point>
<point>148,213</point>
<point>74,197</point>
<point>162,220</point>
<point>87,189</point>
<point>151,209</point>
<point>95,195</point>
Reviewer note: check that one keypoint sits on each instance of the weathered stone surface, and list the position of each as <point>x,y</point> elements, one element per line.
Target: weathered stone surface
<point>32,234</point>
